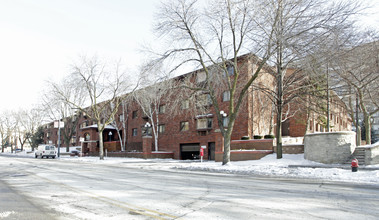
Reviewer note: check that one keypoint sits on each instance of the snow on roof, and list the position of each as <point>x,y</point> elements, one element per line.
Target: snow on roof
<point>111,127</point>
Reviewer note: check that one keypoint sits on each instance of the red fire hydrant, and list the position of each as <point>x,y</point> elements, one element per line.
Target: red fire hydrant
<point>354,165</point>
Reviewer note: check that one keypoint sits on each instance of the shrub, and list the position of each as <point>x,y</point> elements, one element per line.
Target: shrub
<point>258,137</point>
<point>269,136</point>
<point>245,138</point>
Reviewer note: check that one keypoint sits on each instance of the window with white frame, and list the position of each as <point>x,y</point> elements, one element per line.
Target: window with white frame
<point>201,77</point>
<point>204,123</point>
<point>134,132</point>
<point>230,70</point>
<point>225,122</point>
<point>87,137</point>
<point>161,129</point>
<point>204,100</point>
<point>162,109</point>
<point>184,126</point>
<point>121,118</point>
<point>226,96</point>
<point>185,104</point>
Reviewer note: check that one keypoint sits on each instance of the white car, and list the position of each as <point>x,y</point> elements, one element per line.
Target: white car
<point>46,151</point>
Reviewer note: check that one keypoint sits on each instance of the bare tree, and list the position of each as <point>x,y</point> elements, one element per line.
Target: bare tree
<point>21,130</point>
<point>7,129</point>
<point>213,36</point>
<point>154,96</point>
<point>121,126</point>
<point>104,88</point>
<point>300,27</point>
<point>28,122</point>
<point>57,109</point>
<point>357,69</point>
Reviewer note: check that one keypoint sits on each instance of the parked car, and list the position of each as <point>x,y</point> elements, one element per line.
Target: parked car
<point>45,151</point>
<point>75,153</point>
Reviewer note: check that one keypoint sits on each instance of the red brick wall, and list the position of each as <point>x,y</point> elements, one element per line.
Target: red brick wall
<point>264,144</point>
<point>292,149</point>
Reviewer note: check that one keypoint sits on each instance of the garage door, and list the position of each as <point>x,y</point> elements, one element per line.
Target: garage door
<point>189,151</point>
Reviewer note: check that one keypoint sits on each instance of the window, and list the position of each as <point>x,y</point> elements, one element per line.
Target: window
<point>230,70</point>
<point>73,140</point>
<point>161,129</point>
<point>83,124</point>
<point>226,96</point>
<point>204,100</point>
<point>201,77</point>
<point>134,132</point>
<point>185,104</point>
<point>225,122</point>
<point>204,123</point>
<point>121,118</point>
<point>184,126</point>
<point>87,137</point>
<point>162,109</point>
<point>135,114</point>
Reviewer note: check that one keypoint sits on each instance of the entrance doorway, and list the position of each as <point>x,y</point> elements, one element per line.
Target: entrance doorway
<point>211,150</point>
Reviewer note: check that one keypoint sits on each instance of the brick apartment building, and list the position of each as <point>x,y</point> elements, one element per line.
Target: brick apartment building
<point>183,133</point>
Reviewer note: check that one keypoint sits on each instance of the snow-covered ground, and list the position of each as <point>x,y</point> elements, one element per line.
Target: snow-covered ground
<point>290,166</point>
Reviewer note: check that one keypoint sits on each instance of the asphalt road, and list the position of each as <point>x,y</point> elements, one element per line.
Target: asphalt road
<point>60,189</point>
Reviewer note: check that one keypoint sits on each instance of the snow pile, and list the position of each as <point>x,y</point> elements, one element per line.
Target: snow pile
<point>271,167</point>
<point>268,166</point>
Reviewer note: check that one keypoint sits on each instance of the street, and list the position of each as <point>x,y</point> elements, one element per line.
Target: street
<point>76,190</point>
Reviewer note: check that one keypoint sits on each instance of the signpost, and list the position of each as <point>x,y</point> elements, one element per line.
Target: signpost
<point>202,152</point>
<point>59,124</point>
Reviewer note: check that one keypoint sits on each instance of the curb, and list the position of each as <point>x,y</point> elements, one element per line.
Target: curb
<point>347,167</point>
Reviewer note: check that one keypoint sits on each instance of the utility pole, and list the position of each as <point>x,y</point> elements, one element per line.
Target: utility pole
<point>358,128</point>
<point>59,138</point>
<point>327,99</point>
<point>58,124</point>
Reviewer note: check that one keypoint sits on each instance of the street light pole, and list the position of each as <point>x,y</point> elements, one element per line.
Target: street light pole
<point>59,138</point>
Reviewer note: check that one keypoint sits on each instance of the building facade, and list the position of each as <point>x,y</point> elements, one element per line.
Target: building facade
<point>183,131</point>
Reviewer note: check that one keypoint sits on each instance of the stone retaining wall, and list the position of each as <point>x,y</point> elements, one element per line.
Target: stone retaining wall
<point>329,147</point>
<point>372,154</point>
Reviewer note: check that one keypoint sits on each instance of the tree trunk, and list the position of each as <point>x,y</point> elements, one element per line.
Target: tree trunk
<point>226,156</point>
<point>359,138</point>
<point>67,145</point>
<point>368,128</point>
<point>101,145</point>
<point>279,79</point>
<point>278,135</point>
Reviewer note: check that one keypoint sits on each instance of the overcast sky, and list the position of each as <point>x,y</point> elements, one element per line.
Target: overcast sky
<point>39,39</point>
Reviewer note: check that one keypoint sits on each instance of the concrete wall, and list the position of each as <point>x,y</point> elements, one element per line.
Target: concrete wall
<point>330,147</point>
<point>372,155</point>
